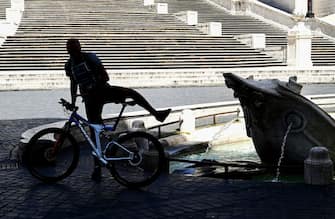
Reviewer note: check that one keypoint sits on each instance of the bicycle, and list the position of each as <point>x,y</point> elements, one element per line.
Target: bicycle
<point>135,159</point>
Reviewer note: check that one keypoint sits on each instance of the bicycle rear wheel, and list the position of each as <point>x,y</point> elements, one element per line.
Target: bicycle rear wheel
<point>146,164</point>
<point>51,155</point>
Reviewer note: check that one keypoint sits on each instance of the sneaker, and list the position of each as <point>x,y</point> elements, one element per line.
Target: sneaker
<point>96,175</point>
<point>162,114</point>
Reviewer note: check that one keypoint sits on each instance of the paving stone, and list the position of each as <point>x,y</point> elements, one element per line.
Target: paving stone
<point>171,196</point>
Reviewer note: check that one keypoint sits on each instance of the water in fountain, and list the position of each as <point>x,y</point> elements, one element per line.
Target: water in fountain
<point>282,149</point>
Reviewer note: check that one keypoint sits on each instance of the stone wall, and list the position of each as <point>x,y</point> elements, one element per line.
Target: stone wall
<point>165,78</point>
<point>323,8</point>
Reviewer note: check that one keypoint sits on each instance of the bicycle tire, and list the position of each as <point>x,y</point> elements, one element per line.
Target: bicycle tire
<point>146,165</point>
<point>51,155</point>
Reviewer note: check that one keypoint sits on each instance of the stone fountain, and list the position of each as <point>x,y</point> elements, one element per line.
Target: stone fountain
<point>271,107</point>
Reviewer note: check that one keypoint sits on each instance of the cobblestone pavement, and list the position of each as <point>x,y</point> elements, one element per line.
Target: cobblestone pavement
<point>11,130</point>
<point>172,196</point>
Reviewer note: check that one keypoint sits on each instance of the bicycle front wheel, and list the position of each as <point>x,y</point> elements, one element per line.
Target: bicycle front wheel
<point>145,164</point>
<point>51,155</point>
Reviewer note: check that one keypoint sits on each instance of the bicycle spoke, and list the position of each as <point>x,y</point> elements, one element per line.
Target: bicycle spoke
<point>146,163</point>
<point>52,155</point>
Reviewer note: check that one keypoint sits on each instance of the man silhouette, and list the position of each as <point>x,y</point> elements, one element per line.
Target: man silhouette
<point>86,71</point>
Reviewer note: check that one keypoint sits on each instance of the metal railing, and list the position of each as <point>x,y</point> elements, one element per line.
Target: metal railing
<point>213,116</point>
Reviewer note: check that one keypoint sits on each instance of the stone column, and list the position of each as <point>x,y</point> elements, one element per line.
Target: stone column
<point>299,46</point>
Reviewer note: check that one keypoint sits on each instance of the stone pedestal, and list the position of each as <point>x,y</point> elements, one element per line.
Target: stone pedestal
<point>188,17</point>
<point>13,15</point>
<point>162,8</point>
<point>255,41</point>
<point>318,168</point>
<point>299,46</point>
<point>211,28</point>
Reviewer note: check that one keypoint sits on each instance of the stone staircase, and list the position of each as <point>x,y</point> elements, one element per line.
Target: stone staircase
<point>323,49</point>
<point>124,34</point>
<point>3,5</point>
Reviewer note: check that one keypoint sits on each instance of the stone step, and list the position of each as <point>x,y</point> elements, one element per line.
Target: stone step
<point>146,66</point>
<point>27,47</point>
<point>163,59</point>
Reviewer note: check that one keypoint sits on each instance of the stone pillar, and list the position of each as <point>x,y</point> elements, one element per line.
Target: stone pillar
<point>211,28</point>
<point>318,167</point>
<point>188,17</point>
<point>162,8</point>
<point>148,2</point>
<point>299,46</point>
<point>187,121</point>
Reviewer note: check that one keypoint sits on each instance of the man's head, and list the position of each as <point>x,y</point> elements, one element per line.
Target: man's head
<point>73,47</point>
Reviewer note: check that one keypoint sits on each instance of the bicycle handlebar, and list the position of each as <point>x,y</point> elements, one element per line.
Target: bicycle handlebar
<point>68,105</point>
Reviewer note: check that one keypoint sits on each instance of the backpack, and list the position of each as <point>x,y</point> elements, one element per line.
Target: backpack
<point>90,73</point>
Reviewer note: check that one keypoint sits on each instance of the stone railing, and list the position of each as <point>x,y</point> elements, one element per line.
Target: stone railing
<point>255,8</point>
<point>283,19</point>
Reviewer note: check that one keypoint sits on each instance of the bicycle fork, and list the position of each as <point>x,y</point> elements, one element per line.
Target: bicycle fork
<point>96,148</point>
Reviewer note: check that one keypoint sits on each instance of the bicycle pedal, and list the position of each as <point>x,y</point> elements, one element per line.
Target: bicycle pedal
<point>94,154</point>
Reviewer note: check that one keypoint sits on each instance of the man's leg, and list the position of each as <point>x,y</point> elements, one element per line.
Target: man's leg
<point>93,111</point>
<point>118,94</point>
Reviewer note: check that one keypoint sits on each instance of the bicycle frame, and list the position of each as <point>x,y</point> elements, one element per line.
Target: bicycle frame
<point>79,121</point>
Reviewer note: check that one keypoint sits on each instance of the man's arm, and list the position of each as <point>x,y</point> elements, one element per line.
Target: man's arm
<point>73,84</point>
<point>74,88</point>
